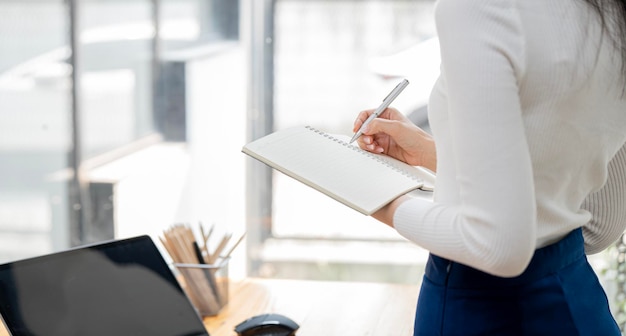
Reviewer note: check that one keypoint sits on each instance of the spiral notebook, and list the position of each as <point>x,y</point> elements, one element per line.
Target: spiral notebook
<point>330,164</point>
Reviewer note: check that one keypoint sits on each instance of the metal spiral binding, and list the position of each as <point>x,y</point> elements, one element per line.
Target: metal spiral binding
<point>359,150</point>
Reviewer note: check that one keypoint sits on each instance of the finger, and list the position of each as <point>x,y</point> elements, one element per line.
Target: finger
<point>374,148</point>
<point>363,141</point>
<point>380,125</point>
<point>371,147</point>
<point>374,127</point>
<point>391,113</point>
<point>360,119</point>
<point>368,143</point>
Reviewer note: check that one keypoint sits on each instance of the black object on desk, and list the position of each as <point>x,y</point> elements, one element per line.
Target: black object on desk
<point>120,287</point>
<point>267,325</point>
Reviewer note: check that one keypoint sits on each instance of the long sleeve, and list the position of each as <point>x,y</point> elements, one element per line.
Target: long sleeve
<point>527,116</point>
<point>484,216</point>
<point>607,207</point>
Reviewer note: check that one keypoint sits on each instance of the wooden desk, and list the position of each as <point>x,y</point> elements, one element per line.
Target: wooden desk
<point>319,307</point>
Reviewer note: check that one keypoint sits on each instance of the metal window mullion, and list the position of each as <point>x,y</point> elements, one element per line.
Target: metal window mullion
<point>260,122</point>
<point>78,188</point>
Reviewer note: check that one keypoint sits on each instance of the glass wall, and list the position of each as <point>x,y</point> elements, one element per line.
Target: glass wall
<point>35,129</point>
<point>115,125</point>
<point>332,60</point>
<point>329,61</point>
<point>116,61</point>
<point>195,23</point>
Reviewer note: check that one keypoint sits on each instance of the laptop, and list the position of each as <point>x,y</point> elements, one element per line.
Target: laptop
<point>121,287</point>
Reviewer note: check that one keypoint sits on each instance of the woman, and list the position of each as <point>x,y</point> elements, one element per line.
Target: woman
<point>527,115</point>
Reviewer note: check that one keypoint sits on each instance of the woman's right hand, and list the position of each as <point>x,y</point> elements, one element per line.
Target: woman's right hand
<point>395,135</point>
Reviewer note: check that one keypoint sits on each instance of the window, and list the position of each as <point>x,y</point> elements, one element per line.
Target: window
<point>116,77</point>
<point>327,64</point>
<point>35,129</point>
<point>125,127</point>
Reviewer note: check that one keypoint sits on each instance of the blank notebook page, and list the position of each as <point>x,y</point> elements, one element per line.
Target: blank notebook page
<point>357,178</point>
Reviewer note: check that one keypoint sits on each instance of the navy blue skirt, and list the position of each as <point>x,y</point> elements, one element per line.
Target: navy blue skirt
<point>558,294</point>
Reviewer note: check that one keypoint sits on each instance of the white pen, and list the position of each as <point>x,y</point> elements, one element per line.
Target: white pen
<point>390,97</point>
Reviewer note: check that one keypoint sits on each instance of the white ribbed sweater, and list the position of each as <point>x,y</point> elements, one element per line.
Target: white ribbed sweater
<point>526,116</point>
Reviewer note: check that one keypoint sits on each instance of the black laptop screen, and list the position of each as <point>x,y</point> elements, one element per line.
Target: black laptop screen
<point>122,287</point>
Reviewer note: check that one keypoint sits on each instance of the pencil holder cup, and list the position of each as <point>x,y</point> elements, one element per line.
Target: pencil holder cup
<point>206,285</point>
